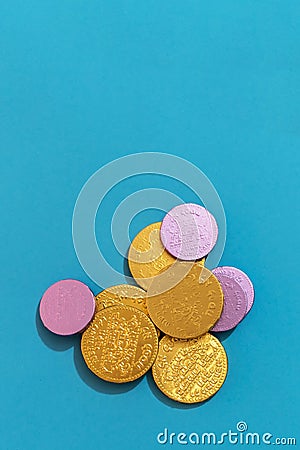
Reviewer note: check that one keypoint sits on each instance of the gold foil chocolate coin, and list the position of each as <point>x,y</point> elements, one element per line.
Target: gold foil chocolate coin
<point>191,306</point>
<point>147,255</point>
<point>125,294</point>
<point>190,371</point>
<point>120,344</point>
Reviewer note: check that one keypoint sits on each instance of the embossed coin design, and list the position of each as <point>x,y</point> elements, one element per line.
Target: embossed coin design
<point>235,300</point>
<point>189,231</point>
<point>147,255</point>
<point>125,294</point>
<point>67,307</point>
<point>243,280</point>
<point>191,307</point>
<point>190,371</point>
<point>120,344</point>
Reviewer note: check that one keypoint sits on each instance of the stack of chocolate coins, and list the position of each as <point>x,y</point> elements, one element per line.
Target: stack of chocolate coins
<point>165,321</point>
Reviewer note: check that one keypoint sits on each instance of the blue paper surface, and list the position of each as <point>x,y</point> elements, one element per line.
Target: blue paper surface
<point>83,83</point>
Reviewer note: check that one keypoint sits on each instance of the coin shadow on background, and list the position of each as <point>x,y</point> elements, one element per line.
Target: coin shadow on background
<point>223,335</point>
<point>95,382</point>
<point>126,270</point>
<point>51,340</point>
<point>129,278</point>
<point>166,400</point>
<point>62,343</point>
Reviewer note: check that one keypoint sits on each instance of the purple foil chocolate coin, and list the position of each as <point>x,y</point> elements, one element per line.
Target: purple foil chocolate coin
<point>235,300</point>
<point>244,281</point>
<point>67,307</point>
<point>189,231</point>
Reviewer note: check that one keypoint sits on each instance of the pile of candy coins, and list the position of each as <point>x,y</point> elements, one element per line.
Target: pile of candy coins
<point>165,321</point>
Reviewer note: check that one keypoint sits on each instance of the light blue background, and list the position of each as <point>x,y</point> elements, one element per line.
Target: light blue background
<point>84,82</point>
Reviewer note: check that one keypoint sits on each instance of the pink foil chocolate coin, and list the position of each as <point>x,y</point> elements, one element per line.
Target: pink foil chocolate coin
<point>235,299</point>
<point>244,282</point>
<point>67,307</point>
<point>189,231</point>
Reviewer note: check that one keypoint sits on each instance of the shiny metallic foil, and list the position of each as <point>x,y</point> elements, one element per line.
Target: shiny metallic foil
<point>190,371</point>
<point>185,302</point>
<point>120,345</point>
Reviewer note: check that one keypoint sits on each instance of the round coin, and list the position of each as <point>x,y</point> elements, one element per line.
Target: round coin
<point>67,307</point>
<point>191,306</point>
<point>243,280</point>
<point>235,300</point>
<point>190,371</point>
<point>147,255</point>
<point>120,344</point>
<point>189,231</point>
<point>125,294</point>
